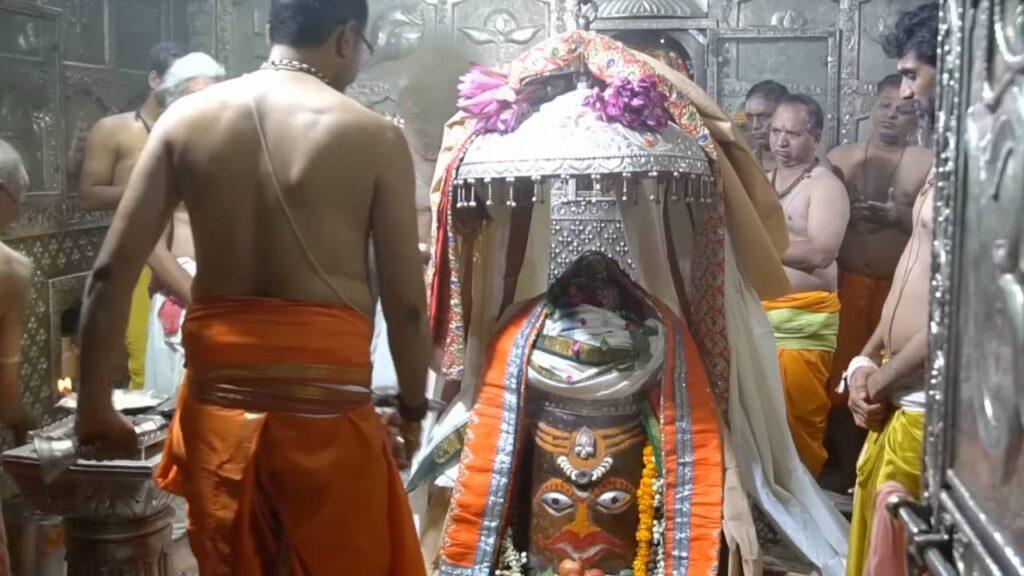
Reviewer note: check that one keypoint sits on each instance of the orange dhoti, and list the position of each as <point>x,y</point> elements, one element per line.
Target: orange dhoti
<point>278,450</point>
<point>862,298</point>
<point>806,326</point>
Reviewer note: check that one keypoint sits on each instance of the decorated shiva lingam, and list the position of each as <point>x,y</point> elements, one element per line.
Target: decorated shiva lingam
<point>116,520</point>
<point>586,471</point>
<point>587,443</point>
<point>593,449</point>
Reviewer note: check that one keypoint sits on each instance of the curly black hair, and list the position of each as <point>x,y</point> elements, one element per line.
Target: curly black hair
<point>917,33</point>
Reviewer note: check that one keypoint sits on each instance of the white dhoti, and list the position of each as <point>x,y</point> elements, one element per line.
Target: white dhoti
<point>384,378</point>
<point>165,355</point>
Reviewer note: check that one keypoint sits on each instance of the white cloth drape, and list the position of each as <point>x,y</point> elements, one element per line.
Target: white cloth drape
<point>165,354</point>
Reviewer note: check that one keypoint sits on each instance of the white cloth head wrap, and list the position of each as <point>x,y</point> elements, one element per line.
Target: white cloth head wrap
<point>189,66</point>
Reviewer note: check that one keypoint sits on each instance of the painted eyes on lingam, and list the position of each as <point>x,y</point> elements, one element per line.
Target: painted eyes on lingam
<point>584,502</point>
<point>611,496</point>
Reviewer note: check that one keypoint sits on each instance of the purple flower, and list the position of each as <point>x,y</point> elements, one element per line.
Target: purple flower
<point>639,105</point>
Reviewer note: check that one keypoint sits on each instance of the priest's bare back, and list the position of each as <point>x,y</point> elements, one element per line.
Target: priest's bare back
<point>345,175</point>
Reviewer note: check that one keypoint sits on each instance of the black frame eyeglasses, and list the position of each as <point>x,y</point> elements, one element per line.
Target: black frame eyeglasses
<point>369,46</point>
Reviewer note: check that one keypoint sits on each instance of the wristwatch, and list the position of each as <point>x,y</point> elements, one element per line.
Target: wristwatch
<point>413,413</point>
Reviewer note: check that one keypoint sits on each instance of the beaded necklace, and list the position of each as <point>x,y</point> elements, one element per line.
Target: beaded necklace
<point>294,66</point>
<point>803,176</point>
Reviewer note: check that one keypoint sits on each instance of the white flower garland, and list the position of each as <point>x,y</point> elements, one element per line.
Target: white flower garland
<point>512,562</point>
<point>658,531</point>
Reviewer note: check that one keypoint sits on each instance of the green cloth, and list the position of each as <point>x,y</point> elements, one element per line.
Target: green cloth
<point>802,330</point>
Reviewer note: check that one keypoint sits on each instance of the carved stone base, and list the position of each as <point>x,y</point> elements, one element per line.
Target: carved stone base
<point>133,548</point>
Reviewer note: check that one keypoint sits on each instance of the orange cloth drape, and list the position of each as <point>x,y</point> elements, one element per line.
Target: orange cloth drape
<point>691,472</point>
<point>862,298</point>
<point>804,379</point>
<point>469,501</point>
<point>804,373</point>
<point>278,492</point>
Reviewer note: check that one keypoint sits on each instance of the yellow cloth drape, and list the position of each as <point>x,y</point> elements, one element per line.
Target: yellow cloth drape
<point>892,455</point>
<point>137,334</point>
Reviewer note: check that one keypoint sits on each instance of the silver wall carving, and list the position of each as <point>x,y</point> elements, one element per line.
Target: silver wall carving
<point>63,65</point>
<point>830,49</point>
<point>974,449</point>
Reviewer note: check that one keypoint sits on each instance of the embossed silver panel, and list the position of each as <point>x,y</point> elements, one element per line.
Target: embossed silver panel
<point>29,109</point>
<point>137,27</point>
<point>805,61</point>
<point>878,17</point>
<point>499,30</point>
<point>249,35</point>
<point>845,83</point>
<point>579,226</point>
<point>54,256</point>
<point>397,29</point>
<point>585,145</point>
<point>84,31</point>
<point>28,31</point>
<point>652,8</point>
<point>975,431</point>
<point>787,14</point>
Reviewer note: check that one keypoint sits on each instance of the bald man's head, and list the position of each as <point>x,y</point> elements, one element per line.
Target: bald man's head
<point>13,176</point>
<point>13,183</point>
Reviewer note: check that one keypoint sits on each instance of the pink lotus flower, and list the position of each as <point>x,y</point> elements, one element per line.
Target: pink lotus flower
<point>486,96</point>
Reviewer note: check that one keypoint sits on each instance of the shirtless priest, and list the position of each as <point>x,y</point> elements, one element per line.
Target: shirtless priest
<point>111,152</point>
<point>883,177</point>
<point>806,321</point>
<point>887,380</point>
<point>15,288</point>
<point>285,180</point>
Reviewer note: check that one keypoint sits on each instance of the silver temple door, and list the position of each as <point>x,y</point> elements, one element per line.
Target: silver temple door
<point>974,452</point>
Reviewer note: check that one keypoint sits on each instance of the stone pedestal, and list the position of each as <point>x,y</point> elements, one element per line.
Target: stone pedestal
<point>116,519</point>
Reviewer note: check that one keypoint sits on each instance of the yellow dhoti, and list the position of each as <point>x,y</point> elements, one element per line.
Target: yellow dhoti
<point>892,455</point>
<point>806,327</point>
<point>137,334</point>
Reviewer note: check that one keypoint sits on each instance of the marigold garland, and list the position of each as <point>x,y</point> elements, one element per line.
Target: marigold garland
<point>645,496</point>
